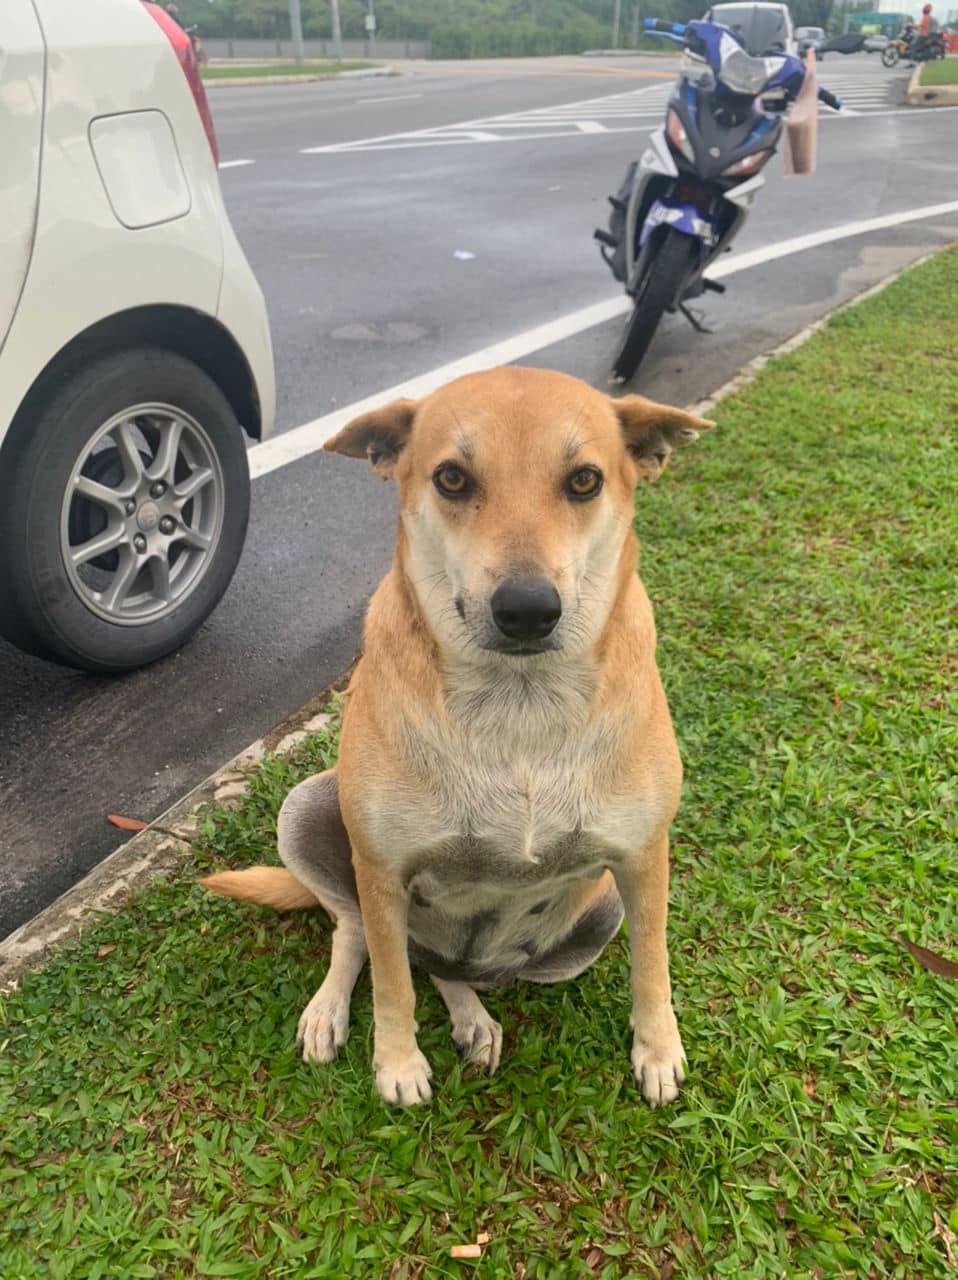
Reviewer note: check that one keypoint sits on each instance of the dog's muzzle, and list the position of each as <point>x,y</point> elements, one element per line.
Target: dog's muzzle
<point>525,611</point>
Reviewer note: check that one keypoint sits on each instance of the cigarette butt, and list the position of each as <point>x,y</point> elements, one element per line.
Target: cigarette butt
<point>466,1251</point>
<point>482,1237</point>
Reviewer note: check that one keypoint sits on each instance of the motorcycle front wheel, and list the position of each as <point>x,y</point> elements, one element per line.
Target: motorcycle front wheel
<point>889,55</point>
<point>656,294</point>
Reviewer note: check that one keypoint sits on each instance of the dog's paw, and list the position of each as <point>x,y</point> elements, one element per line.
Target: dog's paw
<point>658,1060</point>
<point>323,1028</point>
<point>479,1040</point>
<point>404,1082</point>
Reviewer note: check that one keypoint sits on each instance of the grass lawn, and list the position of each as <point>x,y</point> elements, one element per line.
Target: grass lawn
<point>945,72</point>
<point>155,1119</point>
<point>316,67</point>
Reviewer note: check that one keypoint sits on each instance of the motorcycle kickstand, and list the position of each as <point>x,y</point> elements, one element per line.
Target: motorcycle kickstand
<point>693,319</point>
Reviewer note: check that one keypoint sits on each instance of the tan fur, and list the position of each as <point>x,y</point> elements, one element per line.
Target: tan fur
<point>475,780</point>
<point>267,886</point>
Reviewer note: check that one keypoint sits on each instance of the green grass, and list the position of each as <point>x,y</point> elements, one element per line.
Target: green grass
<point>317,67</point>
<point>946,72</point>
<point>155,1120</point>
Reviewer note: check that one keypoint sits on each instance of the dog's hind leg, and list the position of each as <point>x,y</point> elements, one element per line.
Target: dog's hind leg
<point>476,1034</point>
<point>314,845</point>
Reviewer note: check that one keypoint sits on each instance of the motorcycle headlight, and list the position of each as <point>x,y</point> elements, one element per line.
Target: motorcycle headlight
<point>675,132</point>
<point>751,164</point>
<point>743,74</point>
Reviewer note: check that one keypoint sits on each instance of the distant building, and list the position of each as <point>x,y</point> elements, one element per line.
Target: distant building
<point>886,20</point>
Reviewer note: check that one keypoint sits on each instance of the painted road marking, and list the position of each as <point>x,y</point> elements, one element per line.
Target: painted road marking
<point>485,129</point>
<point>234,164</point>
<point>279,451</point>
<point>630,112</point>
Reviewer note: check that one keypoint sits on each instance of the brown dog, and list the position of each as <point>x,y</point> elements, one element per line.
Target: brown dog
<point>508,770</point>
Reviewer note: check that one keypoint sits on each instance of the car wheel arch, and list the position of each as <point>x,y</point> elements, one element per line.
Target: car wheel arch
<point>192,334</point>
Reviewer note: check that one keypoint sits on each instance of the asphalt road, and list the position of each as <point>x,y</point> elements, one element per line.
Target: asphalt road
<point>355,246</point>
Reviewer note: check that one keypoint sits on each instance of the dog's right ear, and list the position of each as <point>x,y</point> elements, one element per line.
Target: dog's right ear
<point>380,435</point>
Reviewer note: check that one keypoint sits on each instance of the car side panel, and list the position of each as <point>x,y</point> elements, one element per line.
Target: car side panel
<point>21,127</point>
<point>106,59</point>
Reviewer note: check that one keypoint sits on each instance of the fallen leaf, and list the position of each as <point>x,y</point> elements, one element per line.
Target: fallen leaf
<point>105,951</point>
<point>594,1259</point>
<point>930,960</point>
<point>947,1237</point>
<point>126,824</point>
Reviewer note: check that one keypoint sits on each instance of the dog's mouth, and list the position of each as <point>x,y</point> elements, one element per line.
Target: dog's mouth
<point>523,650</point>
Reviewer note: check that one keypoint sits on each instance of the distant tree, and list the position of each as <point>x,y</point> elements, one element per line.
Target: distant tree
<point>456,28</point>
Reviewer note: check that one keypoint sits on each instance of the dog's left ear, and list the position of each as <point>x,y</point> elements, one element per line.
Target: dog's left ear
<point>653,430</point>
<point>380,436</point>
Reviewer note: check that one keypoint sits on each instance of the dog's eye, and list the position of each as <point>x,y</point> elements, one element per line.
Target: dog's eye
<point>450,480</point>
<point>584,483</point>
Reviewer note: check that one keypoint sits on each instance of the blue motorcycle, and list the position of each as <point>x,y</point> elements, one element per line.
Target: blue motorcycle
<point>688,196</point>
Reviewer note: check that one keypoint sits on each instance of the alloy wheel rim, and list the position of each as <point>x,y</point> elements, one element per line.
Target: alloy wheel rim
<point>142,514</point>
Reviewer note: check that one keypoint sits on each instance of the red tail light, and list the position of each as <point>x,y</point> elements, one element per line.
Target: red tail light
<point>183,48</point>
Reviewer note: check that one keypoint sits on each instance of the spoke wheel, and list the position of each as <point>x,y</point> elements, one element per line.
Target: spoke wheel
<point>142,513</point>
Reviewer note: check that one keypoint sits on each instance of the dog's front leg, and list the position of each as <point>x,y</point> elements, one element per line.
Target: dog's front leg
<point>402,1073</point>
<point>657,1054</point>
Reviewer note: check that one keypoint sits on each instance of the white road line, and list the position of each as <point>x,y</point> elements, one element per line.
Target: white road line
<point>631,107</point>
<point>392,97</point>
<point>301,441</point>
<point>548,131</point>
<point>234,164</point>
<point>367,144</point>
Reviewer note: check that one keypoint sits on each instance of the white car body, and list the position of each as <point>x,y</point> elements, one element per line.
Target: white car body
<point>111,215</point>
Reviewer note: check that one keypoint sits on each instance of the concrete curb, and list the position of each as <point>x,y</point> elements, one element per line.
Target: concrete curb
<point>929,95</point>
<point>626,53</point>
<point>153,853</point>
<point>367,74</point>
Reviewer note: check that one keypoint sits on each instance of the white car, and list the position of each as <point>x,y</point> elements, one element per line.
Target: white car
<point>135,355</point>
<point>763,28</point>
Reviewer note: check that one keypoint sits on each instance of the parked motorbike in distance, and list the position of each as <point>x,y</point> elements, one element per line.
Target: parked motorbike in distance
<point>688,196</point>
<point>909,44</point>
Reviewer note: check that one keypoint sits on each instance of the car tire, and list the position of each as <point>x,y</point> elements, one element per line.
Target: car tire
<point>138,458</point>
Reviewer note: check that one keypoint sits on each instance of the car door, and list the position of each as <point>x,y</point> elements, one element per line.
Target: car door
<point>22,57</point>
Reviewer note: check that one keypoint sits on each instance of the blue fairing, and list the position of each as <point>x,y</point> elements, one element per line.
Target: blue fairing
<point>737,69</point>
<point>683,217</point>
<point>767,124</point>
<point>690,98</point>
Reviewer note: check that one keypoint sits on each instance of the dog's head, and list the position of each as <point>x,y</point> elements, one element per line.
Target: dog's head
<point>516,490</point>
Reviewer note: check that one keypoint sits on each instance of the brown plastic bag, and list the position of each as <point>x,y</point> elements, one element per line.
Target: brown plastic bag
<point>801,125</point>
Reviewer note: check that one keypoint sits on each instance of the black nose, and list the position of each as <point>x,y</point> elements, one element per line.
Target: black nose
<point>526,609</point>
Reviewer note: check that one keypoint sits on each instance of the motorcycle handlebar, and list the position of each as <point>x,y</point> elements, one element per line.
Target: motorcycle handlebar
<point>665,28</point>
<point>829,99</point>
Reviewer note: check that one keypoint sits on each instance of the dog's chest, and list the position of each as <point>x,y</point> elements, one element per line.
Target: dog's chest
<point>513,809</point>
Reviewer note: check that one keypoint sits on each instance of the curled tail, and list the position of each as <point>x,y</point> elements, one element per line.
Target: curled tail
<point>268,886</point>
